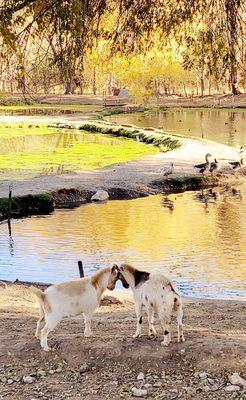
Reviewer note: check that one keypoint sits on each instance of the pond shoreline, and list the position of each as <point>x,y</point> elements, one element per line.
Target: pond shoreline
<point>128,180</point>
<point>71,197</point>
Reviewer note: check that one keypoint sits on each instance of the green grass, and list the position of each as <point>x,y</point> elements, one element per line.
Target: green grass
<point>17,129</point>
<point>150,136</point>
<point>26,205</point>
<point>53,150</point>
<point>59,107</point>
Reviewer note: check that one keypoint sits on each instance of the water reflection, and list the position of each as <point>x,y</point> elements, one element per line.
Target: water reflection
<point>204,249</point>
<point>224,126</point>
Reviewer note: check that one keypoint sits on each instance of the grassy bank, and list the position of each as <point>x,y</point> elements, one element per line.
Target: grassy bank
<point>150,136</point>
<point>24,206</point>
<point>37,148</point>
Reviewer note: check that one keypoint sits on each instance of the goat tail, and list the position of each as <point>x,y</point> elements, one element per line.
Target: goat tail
<point>38,293</point>
<point>43,302</point>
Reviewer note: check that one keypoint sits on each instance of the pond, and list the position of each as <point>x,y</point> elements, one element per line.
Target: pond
<point>226,126</point>
<point>28,150</point>
<point>198,238</point>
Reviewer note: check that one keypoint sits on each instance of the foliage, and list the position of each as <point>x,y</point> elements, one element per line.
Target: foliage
<point>153,136</point>
<point>84,42</point>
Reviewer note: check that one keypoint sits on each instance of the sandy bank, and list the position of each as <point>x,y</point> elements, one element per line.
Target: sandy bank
<point>107,364</point>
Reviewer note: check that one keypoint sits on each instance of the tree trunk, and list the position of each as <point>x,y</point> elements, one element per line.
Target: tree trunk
<point>94,88</point>
<point>184,88</point>
<point>202,85</point>
<point>233,81</point>
<point>68,87</point>
<point>232,8</point>
<point>209,85</point>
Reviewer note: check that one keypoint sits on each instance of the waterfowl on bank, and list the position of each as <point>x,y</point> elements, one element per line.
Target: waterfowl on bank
<point>203,166</point>
<point>167,169</point>
<point>214,166</point>
<point>238,164</point>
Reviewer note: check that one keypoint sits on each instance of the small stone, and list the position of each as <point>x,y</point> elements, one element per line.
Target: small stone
<point>203,375</point>
<point>58,370</point>
<point>189,390</point>
<point>236,379</point>
<point>157,384</point>
<point>139,392</point>
<point>41,372</point>
<point>51,372</point>
<point>10,381</point>
<point>182,351</point>
<point>84,368</point>
<point>28,379</point>
<point>140,376</point>
<point>206,389</point>
<point>147,385</point>
<point>100,195</point>
<point>232,388</point>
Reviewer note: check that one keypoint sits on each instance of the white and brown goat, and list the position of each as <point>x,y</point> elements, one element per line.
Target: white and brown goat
<point>159,295</point>
<point>70,299</point>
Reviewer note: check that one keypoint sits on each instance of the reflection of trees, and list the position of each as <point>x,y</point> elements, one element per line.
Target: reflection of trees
<point>231,127</point>
<point>231,224</point>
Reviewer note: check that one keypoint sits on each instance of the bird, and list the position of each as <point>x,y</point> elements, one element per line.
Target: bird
<point>214,166</point>
<point>167,169</point>
<point>237,164</point>
<point>203,166</point>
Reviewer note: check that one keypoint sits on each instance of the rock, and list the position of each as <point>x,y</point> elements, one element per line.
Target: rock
<point>28,379</point>
<point>100,195</point>
<point>108,300</point>
<point>140,376</point>
<point>202,375</point>
<point>139,392</point>
<point>206,389</point>
<point>41,372</point>
<point>232,388</point>
<point>189,390</point>
<point>157,384</point>
<point>147,385</point>
<point>84,368</point>
<point>51,372</point>
<point>10,381</point>
<point>236,379</point>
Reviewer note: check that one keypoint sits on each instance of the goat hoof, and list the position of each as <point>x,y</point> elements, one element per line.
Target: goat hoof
<point>47,348</point>
<point>136,335</point>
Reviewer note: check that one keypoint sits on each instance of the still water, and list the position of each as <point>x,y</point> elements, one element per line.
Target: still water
<point>198,238</point>
<point>221,125</point>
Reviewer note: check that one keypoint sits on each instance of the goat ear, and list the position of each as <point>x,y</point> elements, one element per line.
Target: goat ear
<point>115,268</point>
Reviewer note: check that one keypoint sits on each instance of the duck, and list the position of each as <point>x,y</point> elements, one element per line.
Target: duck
<point>214,166</point>
<point>237,164</point>
<point>203,166</point>
<point>167,169</point>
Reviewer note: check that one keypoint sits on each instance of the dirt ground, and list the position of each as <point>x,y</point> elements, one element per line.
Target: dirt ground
<point>217,100</point>
<point>107,365</point>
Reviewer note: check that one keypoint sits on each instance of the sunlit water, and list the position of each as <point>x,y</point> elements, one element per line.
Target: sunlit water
<point>224,126</point>
<point>197,238</point>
